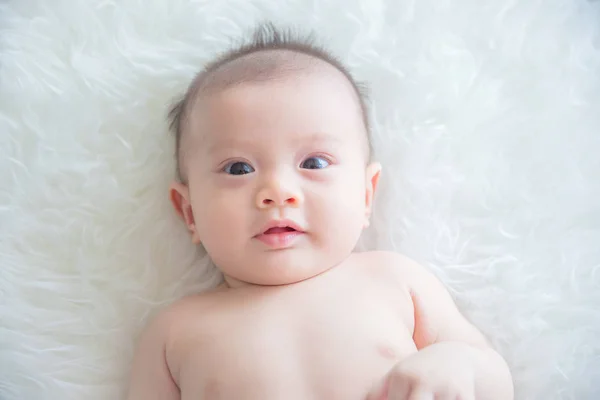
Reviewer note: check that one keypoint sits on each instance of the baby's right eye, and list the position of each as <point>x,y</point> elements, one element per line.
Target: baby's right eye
<point>238,168</point>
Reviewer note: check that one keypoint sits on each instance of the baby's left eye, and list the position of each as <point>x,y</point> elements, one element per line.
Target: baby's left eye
<point>315,163</point>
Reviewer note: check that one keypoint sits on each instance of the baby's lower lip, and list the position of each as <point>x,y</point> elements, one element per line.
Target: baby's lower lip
<point>279,239</point>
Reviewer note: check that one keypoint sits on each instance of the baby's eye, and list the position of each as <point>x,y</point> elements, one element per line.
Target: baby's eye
<point>238,168</point>
<point>315,163</point>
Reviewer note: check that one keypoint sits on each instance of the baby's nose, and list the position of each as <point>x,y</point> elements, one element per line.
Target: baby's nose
<point>275,195</point>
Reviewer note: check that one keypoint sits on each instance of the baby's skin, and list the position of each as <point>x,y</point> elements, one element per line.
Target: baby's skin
<point>278,187</point>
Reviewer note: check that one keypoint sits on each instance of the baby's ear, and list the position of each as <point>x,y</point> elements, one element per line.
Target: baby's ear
<point>180,198</point>
<point>372,179</point>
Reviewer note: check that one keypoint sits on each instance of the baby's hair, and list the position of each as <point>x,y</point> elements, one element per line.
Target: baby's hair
<point>266,37</point>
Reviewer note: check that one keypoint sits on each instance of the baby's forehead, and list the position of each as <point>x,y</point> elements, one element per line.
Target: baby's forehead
<point>271,71</point>
<point>306,103</point>
<point>265,66</point>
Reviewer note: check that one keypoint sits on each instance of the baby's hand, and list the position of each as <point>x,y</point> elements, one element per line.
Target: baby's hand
<point>430,374</point>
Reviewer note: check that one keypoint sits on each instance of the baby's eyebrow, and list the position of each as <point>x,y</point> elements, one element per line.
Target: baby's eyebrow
<point>228,145</point>
<point>231,144</point>
<point>320,137</point>
<point>300,140</point>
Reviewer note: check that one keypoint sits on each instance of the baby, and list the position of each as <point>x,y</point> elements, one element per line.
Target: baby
<point>276,182</point>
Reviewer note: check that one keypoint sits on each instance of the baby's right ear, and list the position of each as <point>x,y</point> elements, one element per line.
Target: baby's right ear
<point>180,198</point>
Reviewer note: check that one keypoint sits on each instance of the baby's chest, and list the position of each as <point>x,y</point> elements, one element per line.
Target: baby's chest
<point>320,349</point>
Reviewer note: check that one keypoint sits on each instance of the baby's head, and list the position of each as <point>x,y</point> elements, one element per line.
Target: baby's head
<point>273,152</point>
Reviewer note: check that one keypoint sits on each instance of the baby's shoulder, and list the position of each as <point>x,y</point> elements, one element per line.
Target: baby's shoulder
<point>169,330</point>
<point>390,267</point>
<point>188,314</point>
<point>193,310</point>
<point>385,261</point>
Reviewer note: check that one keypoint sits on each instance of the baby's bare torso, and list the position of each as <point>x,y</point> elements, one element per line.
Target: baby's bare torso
<point>330,337</point>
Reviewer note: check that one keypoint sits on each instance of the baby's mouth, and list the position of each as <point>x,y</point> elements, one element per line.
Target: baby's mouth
<point>280,236</point>
<point>274,231</point>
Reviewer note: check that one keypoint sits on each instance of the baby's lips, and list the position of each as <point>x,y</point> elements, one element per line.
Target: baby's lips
<point>286,224</point>
<point>279,230</point>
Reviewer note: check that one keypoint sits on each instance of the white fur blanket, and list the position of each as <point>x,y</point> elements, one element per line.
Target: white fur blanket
<point>487,121</point>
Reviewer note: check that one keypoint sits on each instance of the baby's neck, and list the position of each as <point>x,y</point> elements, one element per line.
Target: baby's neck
<point>232,283</point>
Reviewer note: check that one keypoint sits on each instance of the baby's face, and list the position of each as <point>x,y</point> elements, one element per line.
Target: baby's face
<point>288,154</point>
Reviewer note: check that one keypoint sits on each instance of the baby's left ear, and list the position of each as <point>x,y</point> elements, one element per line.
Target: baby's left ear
<point>372,179</point>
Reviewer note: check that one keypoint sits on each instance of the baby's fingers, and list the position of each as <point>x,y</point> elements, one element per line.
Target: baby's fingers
<point>417,394</point>
<point>380,390</point>
<point>393,387</point>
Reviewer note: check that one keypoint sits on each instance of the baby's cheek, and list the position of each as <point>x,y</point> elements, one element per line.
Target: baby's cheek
<point>220,227</point>
<point>350,197</point>
<point>218,211</point>
<point>340,213</point>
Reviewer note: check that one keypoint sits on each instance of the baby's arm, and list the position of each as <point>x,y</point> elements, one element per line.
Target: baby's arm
<point>439,324</point>
<point>150,376</point>
<point>454,358</point>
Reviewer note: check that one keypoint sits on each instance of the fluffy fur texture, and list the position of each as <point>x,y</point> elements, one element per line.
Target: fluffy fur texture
<point>486,118</point>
